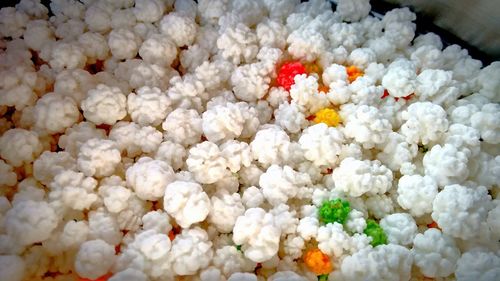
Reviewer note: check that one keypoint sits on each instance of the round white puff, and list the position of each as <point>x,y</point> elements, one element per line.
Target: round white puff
<point>149,178</point>
<point>149,10</point>
<point>385,262</point>
<point>148,107</point>
<point>446,164</point>
<point>123,43</point>
<point>183,126</point>
<point>332,239</point>
<point>478,265</point>
<point>54,113</point>
<point>485,121</point>
<point>72,190</point>
<point>49,164</point>
<point>231,260</point>
<point>279,184</point>
<point>94,259</point>
<point>321,144</point>
<point>357,177</point>
<point>416,194</point>
<point>77,135</point>
<point>365,124</point>
<point>30,222</point>
<point>225,122</point>
<point>459,210</point>
<point>289,116</point>
<point>237,155</point>
<point>19,146</point>
<point>206,162</point>
<point>186,202</point>
<point>114,194</point>
<point>104,105</point>
<point>400,228</point>
<point>258,234</point>
<point>424,122</point>
<point>172,153</point>
<point>238,44</point>
<point>191,250</point>
<point>98,157</point>
<point>435,253</point>
<point>158,49</point>
<point>180,28</point>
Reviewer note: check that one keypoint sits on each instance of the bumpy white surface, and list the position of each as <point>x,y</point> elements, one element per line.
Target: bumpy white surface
<point>258,234</point>
<point>151,140</point>
<point>459,210</point>
<point>186,202</point>
<point>104,105</point>
<point>30,221</point>
<point>94,259</point>
<point>356,177</point>
<point>435,253</point>
<point>149,178</point>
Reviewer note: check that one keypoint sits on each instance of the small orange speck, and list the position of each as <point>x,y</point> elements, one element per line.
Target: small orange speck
<point>318,262</point>
<point>323,89</point>
<point>433,225</point>
<point>171,235</point>
<point>353,73</point>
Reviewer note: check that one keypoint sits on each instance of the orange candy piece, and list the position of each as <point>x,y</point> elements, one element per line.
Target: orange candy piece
<point>353,73</point>
<point>171,235</point>
<point>102,278</point>
<point>318,262</point>
<point>433,224</point>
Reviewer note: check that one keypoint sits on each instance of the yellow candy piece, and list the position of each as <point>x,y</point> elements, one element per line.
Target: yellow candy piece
<point>328,116</point>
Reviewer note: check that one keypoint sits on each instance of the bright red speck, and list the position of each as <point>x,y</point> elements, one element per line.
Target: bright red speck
<point>287,72</point>
<point>386,94</point>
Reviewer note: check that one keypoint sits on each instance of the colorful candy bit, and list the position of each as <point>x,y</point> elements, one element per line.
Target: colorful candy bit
<point>318,262</point>
<point>334,211</point>
<point>172,233</point>
<point>376,232</point>
<point>102,278</point>
<point>328,116</point>
<point>238,247</point>
<point>353,73</point>
<point>323,277</point>
<point>287,72</point>
<point>386,94</point>
<point>433,224</point>
<point>323,89</point>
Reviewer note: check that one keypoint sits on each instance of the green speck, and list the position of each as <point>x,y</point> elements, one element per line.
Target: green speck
<point>323,277</point>
<point>376,232</point>
<point>334,211</point>
<point>238,247</point>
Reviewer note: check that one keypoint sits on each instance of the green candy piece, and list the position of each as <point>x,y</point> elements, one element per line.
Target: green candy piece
<point>376,232</point>
<point>238,247</point>
<point>334,211</point>
<point>323,277</point>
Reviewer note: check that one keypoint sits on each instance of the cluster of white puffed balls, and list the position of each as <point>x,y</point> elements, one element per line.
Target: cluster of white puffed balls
<point>154,140</point>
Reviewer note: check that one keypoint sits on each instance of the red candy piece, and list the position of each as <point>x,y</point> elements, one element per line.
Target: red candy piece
<point>287,72</point>
<point>386,94</point>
